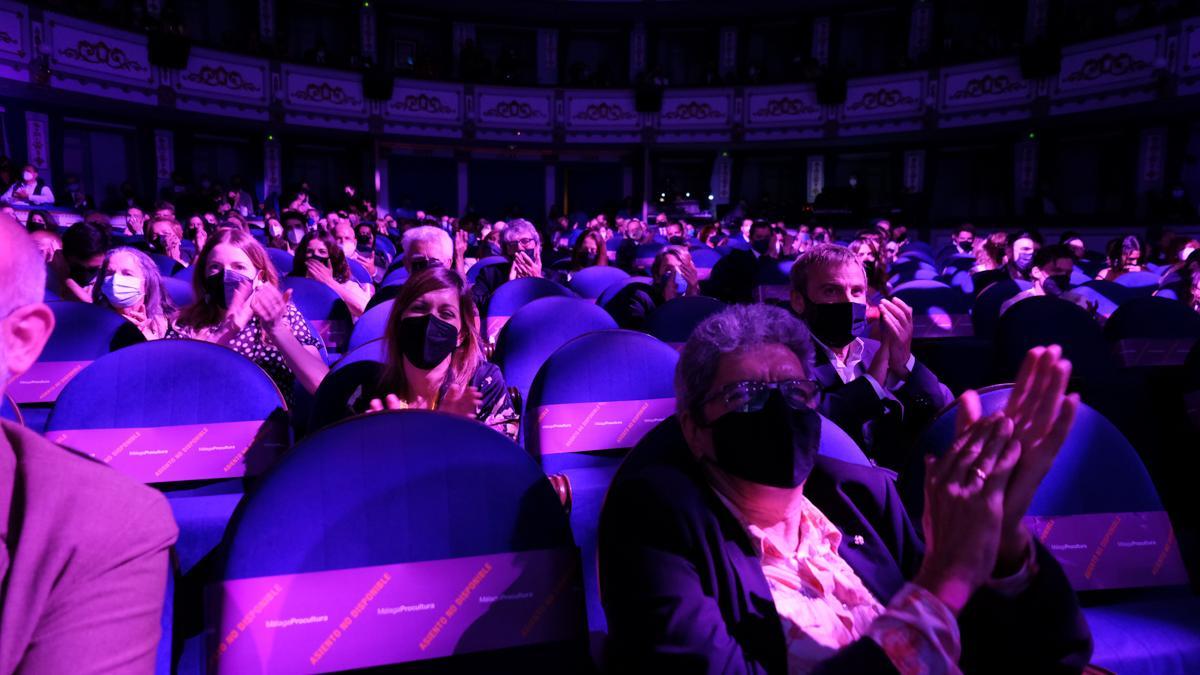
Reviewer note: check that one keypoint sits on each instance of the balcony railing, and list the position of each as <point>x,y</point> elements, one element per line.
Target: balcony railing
<point>69,54</point>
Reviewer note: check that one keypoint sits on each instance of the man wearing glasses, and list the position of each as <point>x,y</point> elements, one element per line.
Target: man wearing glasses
<point>522,246</point>
<point>727,545</point>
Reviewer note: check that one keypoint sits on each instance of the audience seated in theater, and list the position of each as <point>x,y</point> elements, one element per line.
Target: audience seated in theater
<point>319,259</point>
<point>164,236</point>
<point>874,261</point>
<point>1073,241</point>
<point>29,190</point>
<point>1020,254</point>
<point>734,276</point>
<point>434,360</point>
<point>962,242</point>
<point>712,236</point>
<point>1124,255</point>
<point>1051,275</point>
<point>875,390</point>
<point>84,246</point>
<point>273,233</point>
<point>164,209</point>
<point>674,275</point>
<point>426,246</point>
<point>85,549</point>
<point>41,220</point>
<point>635,234</point>
<point>590,250</point>
<point>294,229</point>
<point>523,248</point>
<point>743,550</point>
<point>135,222</point>
<point>48,244</point>
<point>376,262</point>
<point>239,305</point>
<point>991,253</point>
<point>129,284</point>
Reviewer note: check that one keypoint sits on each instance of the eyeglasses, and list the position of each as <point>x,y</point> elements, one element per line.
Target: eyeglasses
<point>527,242</point>
<point>751,396</point>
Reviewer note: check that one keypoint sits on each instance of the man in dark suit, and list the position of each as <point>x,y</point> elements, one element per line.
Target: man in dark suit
<point>873,389</point>
<point>83,549</point>
<point>523,247</point>
<point>737,273</point>
<point>733,547</point>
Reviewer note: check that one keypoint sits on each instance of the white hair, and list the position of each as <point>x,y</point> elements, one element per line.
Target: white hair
<point>430,235</point>
<point>519,228</point>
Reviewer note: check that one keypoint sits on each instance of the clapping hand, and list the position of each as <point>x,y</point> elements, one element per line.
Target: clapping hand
<point>965,506</point>
<point>270,306</point>
<point>461,400</point>
<point>394,402</point>
<point>896,322</point>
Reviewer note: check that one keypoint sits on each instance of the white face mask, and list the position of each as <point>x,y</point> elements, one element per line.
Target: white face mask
<point>294,235</point>
<point>123,290</point>
<point>276,230</point>
<point>349,248</point>
<point>27,175</point>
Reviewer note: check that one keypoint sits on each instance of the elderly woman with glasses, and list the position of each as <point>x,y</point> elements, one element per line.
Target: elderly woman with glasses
<point>737,548</point>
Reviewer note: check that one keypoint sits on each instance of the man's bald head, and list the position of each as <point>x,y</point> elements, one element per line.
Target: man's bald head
<point>22,267</point>
<point>25,321</point>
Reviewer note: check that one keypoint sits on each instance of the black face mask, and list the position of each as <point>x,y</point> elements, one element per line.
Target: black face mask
<point>84,275</point>
<point>1056,284</point>
<point>775,446</point>
<point>678,241</point>
<point>760,246</point>
<point>323,259</point>
<point>966,246</point>
<point>835,324</point>
<point>366,243</point>
<point>426,340</point>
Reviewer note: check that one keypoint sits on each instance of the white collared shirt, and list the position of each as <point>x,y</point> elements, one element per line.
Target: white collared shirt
<point>852,368</point>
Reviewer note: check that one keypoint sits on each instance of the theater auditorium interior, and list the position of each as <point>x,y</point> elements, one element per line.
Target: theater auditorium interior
<point>599,336</point>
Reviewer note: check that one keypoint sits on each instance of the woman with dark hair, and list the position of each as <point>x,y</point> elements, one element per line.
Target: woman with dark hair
<point>274,234</point>
<point>239,305</point>
<point>711,235</point>
<point>41,220</point>
<point>1124,255</point>
<point>433,358</point>
<point>320,259</point>
<point>130,285</point>
<point>589,251</point>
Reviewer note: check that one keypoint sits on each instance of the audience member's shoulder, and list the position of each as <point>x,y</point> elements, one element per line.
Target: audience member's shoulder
<point>61,483</point>
<point>659,466</point>
<point>851,478</point>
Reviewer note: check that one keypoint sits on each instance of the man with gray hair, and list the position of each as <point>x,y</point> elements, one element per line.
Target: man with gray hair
<point>522,245</point>
<point>873,389</point>
<point>426,246</point>
<point>83,549</point>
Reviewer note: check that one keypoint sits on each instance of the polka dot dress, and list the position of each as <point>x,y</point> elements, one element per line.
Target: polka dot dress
<point>255,344</point>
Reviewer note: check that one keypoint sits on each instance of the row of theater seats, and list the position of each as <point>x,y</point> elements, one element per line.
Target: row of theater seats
<point>403,488</point>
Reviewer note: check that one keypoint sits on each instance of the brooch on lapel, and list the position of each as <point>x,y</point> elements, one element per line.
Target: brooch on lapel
<point>857,540</point>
